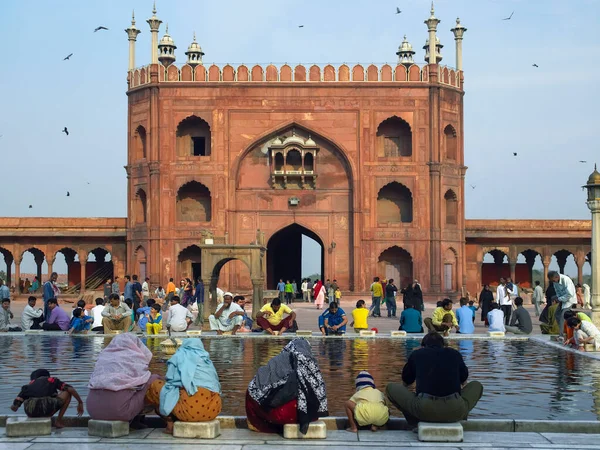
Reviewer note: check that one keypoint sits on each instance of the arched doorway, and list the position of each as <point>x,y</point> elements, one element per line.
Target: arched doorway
<point>288,249</point>
<point>396,263</point>
<point>190,262</point>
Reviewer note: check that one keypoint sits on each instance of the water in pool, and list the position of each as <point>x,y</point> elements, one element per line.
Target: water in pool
<point>521,379</point>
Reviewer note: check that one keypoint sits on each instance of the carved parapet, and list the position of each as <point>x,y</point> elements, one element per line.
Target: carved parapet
<point>310,74</point>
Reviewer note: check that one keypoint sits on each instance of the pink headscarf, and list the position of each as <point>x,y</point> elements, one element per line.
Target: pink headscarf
<point>122,365</point>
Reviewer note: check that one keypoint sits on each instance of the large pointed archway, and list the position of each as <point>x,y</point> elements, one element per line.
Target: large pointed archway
<point>286,253</point>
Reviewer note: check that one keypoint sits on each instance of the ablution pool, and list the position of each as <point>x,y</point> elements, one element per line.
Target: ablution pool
<point>522,379</point>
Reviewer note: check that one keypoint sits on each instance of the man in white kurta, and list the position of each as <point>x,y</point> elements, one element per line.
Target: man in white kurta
<point>229,316</point>
<point>503,299</point>
<point>538,298</point>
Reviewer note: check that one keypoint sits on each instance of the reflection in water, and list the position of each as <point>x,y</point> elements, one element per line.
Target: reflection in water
<point>521,379</point>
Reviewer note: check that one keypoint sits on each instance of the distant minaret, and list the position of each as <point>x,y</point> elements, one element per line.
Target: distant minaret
<point>438,51</point>
<point>166,49</point>
<point>154,23</point>
<point>405,53</point>
<point>432,42</point>
<point>194,53</point>
<point>132,33</point>
<point>458,31</point>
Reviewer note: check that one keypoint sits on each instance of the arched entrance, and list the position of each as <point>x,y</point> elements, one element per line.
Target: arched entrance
<point>286,253</point>
<point>190,262</point>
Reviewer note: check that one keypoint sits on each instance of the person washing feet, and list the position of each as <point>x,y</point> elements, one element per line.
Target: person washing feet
<point>367,406</point>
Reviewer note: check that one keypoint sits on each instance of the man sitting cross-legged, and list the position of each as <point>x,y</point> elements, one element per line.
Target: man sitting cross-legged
<point>229,316</point>
<point>116,316</point>
<point>270,317</point>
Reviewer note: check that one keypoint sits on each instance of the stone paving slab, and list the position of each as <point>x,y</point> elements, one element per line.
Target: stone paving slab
<point>572,439</point>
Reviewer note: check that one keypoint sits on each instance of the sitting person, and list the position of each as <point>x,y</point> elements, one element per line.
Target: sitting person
<point>520,321</point>
<point>551,324</point>
<point>367,406</point>
<point>247,322</point>
<point>289,389</point>
<point>96,314</point>
<point>154,320</point>
<point>443,318</point>
<point>79,322</point>
<point>82,305</point>
<point>58,319</point>
<point>584,332</point>
<point>191,391</point>
<point>360,316</point>
<point>5,316</point>
<point>229,316</point>
<point>180,318</point>
<point>441,394</point>
<point>410,319</point>
<point>120,380</point>
<point>334,321</point>
<point>130,304</point>
<point>473,308</point>
<point>495,318</point>
<point>31,317</point>
<point>270,317</point>
<point>116,316</point>
<point>465,317</point>
<point>44,396</point>
<point>143,313</point>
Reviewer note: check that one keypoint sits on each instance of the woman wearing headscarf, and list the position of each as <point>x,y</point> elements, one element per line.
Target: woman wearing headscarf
<point>120,380</point>
<point>191,392</point>
<point>486,298</point>
<point>289,389</point>
<point>319,294</point>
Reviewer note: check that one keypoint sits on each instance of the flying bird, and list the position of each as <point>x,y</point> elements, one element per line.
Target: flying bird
<point>68,194</point>
<point>65,131</point>
<point>509,17</point>
<point>300,26</point>
<point>398,10</point>
<point>579,161</point>
<point>30,206</point>
<point>514,154</point>
<point>100,28</point>
<point>473,186</point>
<point>68,56</point>
<point>535,65</point>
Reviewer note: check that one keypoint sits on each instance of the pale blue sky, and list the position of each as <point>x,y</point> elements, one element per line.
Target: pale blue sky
<point>548,115</point>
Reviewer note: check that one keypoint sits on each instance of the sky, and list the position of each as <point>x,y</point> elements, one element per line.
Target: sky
<point>547,115</point>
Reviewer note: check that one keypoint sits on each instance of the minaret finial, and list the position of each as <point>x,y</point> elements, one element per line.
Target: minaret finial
<point>167,29</point>
<point>133,17</point>
<point>194,36</point>
<point>432,9</point>
<point>154,8</point>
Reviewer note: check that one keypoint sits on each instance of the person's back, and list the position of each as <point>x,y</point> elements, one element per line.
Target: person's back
<point>411,320</point>
<point>437,371</point>
<point>97,315</point>
<point>520,322</point>
<point>464,315</point>
<point>496,320</point>
<point>359,316</point>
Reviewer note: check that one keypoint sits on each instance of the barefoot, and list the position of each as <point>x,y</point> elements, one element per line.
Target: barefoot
<point>59,424</point>
<point>374,428</point>
<point>352,430</point>
<point>169,428</point>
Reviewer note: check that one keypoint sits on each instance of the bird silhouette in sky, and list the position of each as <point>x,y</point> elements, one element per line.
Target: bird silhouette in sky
<point>398,10</point>
<point>100,28</point>
<point>473,186</point>
<point>514,154</point>
<point>68,194</point>
<point>535,65</point>
<point>30,206</point>
<point>579,161</point>
<point>68,57</point>
<point>509,17</point>
<point>65,131</point>
<point>300,26</point>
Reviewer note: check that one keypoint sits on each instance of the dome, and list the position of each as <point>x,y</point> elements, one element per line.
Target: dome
<point>166,39</point>
<point>293,139</point>
<point>194,47</point>
<point>276,141</point>
<point>594,177</point>
<point>310,143</point>
<point>405,47</point>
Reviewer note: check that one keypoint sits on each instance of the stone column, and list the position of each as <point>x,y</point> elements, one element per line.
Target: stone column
<point>17,275</point>
<point>513,270</point>
<point>546,262</point>
<point>154,23</point>
<point>207,310</point>
<point>594,206</point>
<point>530,260</point>
<point>9,260</point>
<point>50,264</point>
<point>580,269</point>
<point>257,296</point>
<point>132,33</point>
<point>83,275</point>
<point>562,262</point>
<point>39,260</point>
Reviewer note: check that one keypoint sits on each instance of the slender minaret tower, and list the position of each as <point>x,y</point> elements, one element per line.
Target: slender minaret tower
<point>432,24</point>
<point>458,31</point>
<point>166,49</point>
<point>132,33</point>
<point>194,53</point>
<point>154,23</point>
<point>405,53</point>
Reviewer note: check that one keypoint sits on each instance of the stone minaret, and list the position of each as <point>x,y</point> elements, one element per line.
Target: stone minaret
<point>166,49</point>
<point>154,23</point>
<point>458,31</point>
<point>132,33</point>
<point>194,53</point>
<point>432,42</point>
<point>405,53</point>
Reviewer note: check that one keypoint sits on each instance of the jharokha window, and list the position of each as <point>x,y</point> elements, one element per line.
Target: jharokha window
<point>394,138</point>
<point>293,162</point>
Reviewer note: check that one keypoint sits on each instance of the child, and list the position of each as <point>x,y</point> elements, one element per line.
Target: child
<point>584,333</point>
<point>143,314</point>
<point>367,406</point>
<point>41,397</point>
<point>338,295</point>
<point>154,320</point>
<point>79,322</point>
<point>81,305</point>
<point>359,317</point>
<point>473,308</point>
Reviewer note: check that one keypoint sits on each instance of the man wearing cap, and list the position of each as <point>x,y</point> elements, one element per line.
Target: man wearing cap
<point>229,316</point>
<point>442,393</point>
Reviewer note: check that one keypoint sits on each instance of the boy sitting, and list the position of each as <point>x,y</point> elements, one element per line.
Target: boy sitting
<point>367,406</point>
<point>154,319</point>
<point>45,395</point>
<point>80,323</point>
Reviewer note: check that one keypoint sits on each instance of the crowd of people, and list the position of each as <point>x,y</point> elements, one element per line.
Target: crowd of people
<point>289,389</point>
